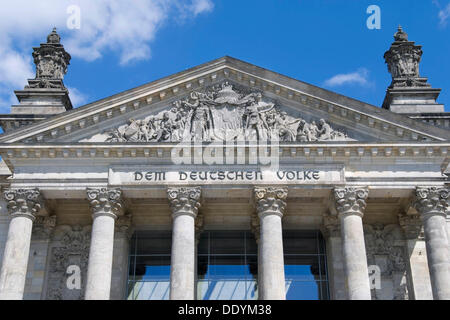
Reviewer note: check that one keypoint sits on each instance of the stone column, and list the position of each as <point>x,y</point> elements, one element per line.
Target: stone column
<point>43,228</point>
<point>106,205</point>
<point>432,204</point>
<point>419,284</point>
<point>184,203</point>
<point>270,207</point>
<point>256,230</point>
<point>335,261</point>
<point>122,236</point>
<point>23,206</point>
<point>448,228</point>
<point>350,205</point>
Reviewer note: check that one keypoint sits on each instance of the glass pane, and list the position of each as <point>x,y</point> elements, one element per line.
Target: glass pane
<point>225,270</point>
<point>301,268</point>
<point>149,268</point>
<point>300,242</point>
<point>152,267</point>
<point>155,242</point>
<point>149,290</point>
<point>302,290</point>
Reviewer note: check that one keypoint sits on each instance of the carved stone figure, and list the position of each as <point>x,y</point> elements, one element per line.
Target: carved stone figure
<point>223,114</point>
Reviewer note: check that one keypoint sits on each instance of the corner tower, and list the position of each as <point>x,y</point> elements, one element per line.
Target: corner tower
<point>45,95</point>
<point>409,92</point>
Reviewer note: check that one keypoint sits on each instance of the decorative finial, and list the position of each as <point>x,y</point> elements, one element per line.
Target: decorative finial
<point>400,35</point>
<point>51,62</point>
<point>53,37</point>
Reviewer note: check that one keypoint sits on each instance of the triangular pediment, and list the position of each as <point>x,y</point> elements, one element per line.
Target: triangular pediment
<point>226,95</point>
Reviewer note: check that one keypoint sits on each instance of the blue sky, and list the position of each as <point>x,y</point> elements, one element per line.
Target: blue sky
<point>121,45</point>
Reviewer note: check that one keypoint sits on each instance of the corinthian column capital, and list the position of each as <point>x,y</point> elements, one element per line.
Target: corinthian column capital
<point>184,200</point>
<point>104,201</point>
<point>431,200</point>
<point>270,200</point>
<point>23,202</point>
<point>351,200</point>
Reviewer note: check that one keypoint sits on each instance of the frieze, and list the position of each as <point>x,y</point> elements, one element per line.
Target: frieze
<point>224,114</point>
<point>120,176</point>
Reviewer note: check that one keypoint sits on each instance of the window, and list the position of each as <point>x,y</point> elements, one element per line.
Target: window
<point>305,265</point>
<point>149,266</point>
<point>227,266</point>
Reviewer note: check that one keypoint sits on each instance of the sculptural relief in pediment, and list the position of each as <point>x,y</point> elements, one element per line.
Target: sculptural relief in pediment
<point>223,114</point>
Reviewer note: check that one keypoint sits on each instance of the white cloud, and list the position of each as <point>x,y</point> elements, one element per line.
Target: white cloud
<point>359,77</point>
<point>200,6</point>
<point>444,15</point>
<point>126,28</point>
<point>78,98</point>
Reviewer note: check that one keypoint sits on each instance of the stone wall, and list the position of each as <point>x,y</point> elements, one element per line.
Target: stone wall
<point>385,248</point>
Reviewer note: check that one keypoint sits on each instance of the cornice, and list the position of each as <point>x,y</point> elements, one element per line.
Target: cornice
<point>163,150</point>
<point>96,113</point>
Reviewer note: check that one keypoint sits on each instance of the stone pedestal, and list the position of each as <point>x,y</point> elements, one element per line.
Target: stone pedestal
<point>350,205</point>
<point>270,206</point>
<point>184,203</point>
<point>106,205</point>
<point>23,205</point>
<point>432,204</point>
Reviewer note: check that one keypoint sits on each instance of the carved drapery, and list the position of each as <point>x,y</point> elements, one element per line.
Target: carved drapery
<point>70,247</point>
<point>223,114</point>
<point>23,202</point>
<point>105,201</point>
<point>351,200</point>
<point>184,200</point>
<point>271,200</point>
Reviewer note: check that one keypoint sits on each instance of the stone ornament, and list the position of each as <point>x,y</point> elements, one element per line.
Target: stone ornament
<point>122,225</point>
<point>412,226</point>
<point>384,248</point>
<point>331,225</point>
<point>43,226</point>
<point>403,60</point>
<point>351,200</point>
<point>223,114</point>
<point>432,200</point>
<point>104,201</point>
<point>70,246</point>
<point>270,200</point>
<point>51,60</point>
<point>184,200</point>
<point>24,202</point>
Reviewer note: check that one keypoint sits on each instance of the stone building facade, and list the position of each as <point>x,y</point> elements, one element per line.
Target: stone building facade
<point>225,181</point>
